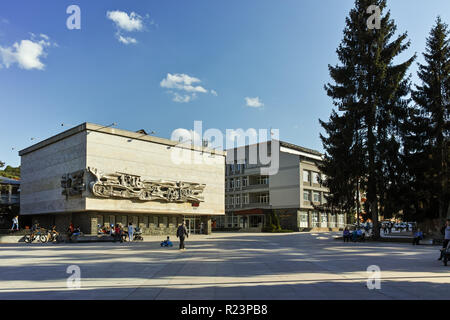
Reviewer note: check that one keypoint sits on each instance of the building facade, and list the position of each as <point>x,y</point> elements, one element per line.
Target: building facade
<point>9,201</point>
<point>94,175</point>
<point>295,193</point>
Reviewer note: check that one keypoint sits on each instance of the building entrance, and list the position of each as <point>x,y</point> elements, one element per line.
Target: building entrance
<point>192,225</point>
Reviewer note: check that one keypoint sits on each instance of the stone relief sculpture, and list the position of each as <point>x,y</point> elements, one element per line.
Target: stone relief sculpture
<point>128,186</point>
<point>73,183</point>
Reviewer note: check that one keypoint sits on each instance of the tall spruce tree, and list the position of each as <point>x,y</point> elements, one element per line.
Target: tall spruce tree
<point>341,158</point>
<point>370,92</point>
<point>429,127</point>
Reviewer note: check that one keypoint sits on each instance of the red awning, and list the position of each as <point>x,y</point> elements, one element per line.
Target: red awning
<point>249,212</point>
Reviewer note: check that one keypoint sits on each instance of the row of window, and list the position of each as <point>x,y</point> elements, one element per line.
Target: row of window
<point>309,176</point>
<point>244,198</point>
<point>239,167</point>
<point>253,221</point>
<point>236,183</point>
<point>315,196</point>
<point>321,220</point>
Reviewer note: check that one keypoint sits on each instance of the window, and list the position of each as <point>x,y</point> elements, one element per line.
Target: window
<point>315,219</point>
<point>244,181</point>
<point>263,180</point>
<point>306,176</point>
<point>245,198</point>
<point>231,183</point>
<point>256,221</point>
<point>316,196</point>
<point>263,198</point>
<point>304,220</point>
<point>237,199</point>
<point>237,183</point>
<point>340,219</point>
<point>306,195</point>
<point>315,177</point>
<point>323,220</point>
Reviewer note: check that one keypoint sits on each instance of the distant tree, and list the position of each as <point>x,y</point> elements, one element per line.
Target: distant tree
<point>428,129</point>
<point>10,172</point>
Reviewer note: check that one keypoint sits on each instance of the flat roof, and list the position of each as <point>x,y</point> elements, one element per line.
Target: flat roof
<point>299,148</point>
<point>117,132</point>
<point>286,145</point>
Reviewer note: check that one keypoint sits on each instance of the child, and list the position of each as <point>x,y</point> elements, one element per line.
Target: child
<point>167,243</point>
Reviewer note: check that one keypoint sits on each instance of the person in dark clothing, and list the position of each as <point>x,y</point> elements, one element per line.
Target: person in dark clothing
<point>118,233</point>
<point>346,235</point>
<point>181,233</point>
<point>418,235</point>
<point>446,233</point>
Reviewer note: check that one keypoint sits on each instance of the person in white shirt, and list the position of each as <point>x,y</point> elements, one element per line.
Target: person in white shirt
<point>130,231</point>
<point>15,221</point>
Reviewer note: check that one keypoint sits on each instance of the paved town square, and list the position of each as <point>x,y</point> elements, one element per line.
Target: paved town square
<point>224,266</point>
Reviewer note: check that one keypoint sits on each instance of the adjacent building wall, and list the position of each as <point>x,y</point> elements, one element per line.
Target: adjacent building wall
<point>41,172</point>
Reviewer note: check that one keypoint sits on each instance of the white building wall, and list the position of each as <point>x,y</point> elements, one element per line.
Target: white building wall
<point>284,187</point>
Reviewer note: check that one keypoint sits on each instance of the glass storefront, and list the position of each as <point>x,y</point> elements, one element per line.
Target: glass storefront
<point>332,222</point>
<point>193,225</point>
<point>315,220</point>
<point>304,220</point>
<point>340,220</point>
<point>324,220</point>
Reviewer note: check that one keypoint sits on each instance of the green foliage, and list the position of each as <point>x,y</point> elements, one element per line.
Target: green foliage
<point>370,93</point>
<point>426,133</point>
<point>272,223</point>
<point>10,172</point>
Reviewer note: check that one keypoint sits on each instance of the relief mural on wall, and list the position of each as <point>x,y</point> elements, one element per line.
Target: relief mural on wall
<point>73,183</point>
<point>128,186</point>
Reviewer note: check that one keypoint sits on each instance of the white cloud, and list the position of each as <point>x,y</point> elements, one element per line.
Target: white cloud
<point>182,98</point>
<point>123,21</point>
<point>182,82</point>
<point>253,102</point>
<point>27,54</point>
<point>214,93</point>
<point>186,85</point>
<point>126,40</point>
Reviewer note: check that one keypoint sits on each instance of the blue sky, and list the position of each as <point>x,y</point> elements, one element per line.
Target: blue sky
<point>275,53</point>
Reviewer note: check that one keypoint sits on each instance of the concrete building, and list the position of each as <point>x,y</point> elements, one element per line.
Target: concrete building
<point>9,201</point>
<point>96,175</point>
<point>295,193</point>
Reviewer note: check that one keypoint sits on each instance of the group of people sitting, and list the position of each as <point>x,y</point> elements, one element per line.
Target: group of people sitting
<point>356,235</point>
<point>118,232</point>
<point>73,232</point>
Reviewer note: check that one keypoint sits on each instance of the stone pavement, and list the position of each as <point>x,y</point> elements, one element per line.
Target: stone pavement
<point>224,266</point>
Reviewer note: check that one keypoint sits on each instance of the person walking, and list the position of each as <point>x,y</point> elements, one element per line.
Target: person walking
<point>118,233</point>
<point>446,231</point>
<point>346,235</point>
<point>130,232</point>
<point>15,222</point>
<point>418,235</point>
<point>181,233</point>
